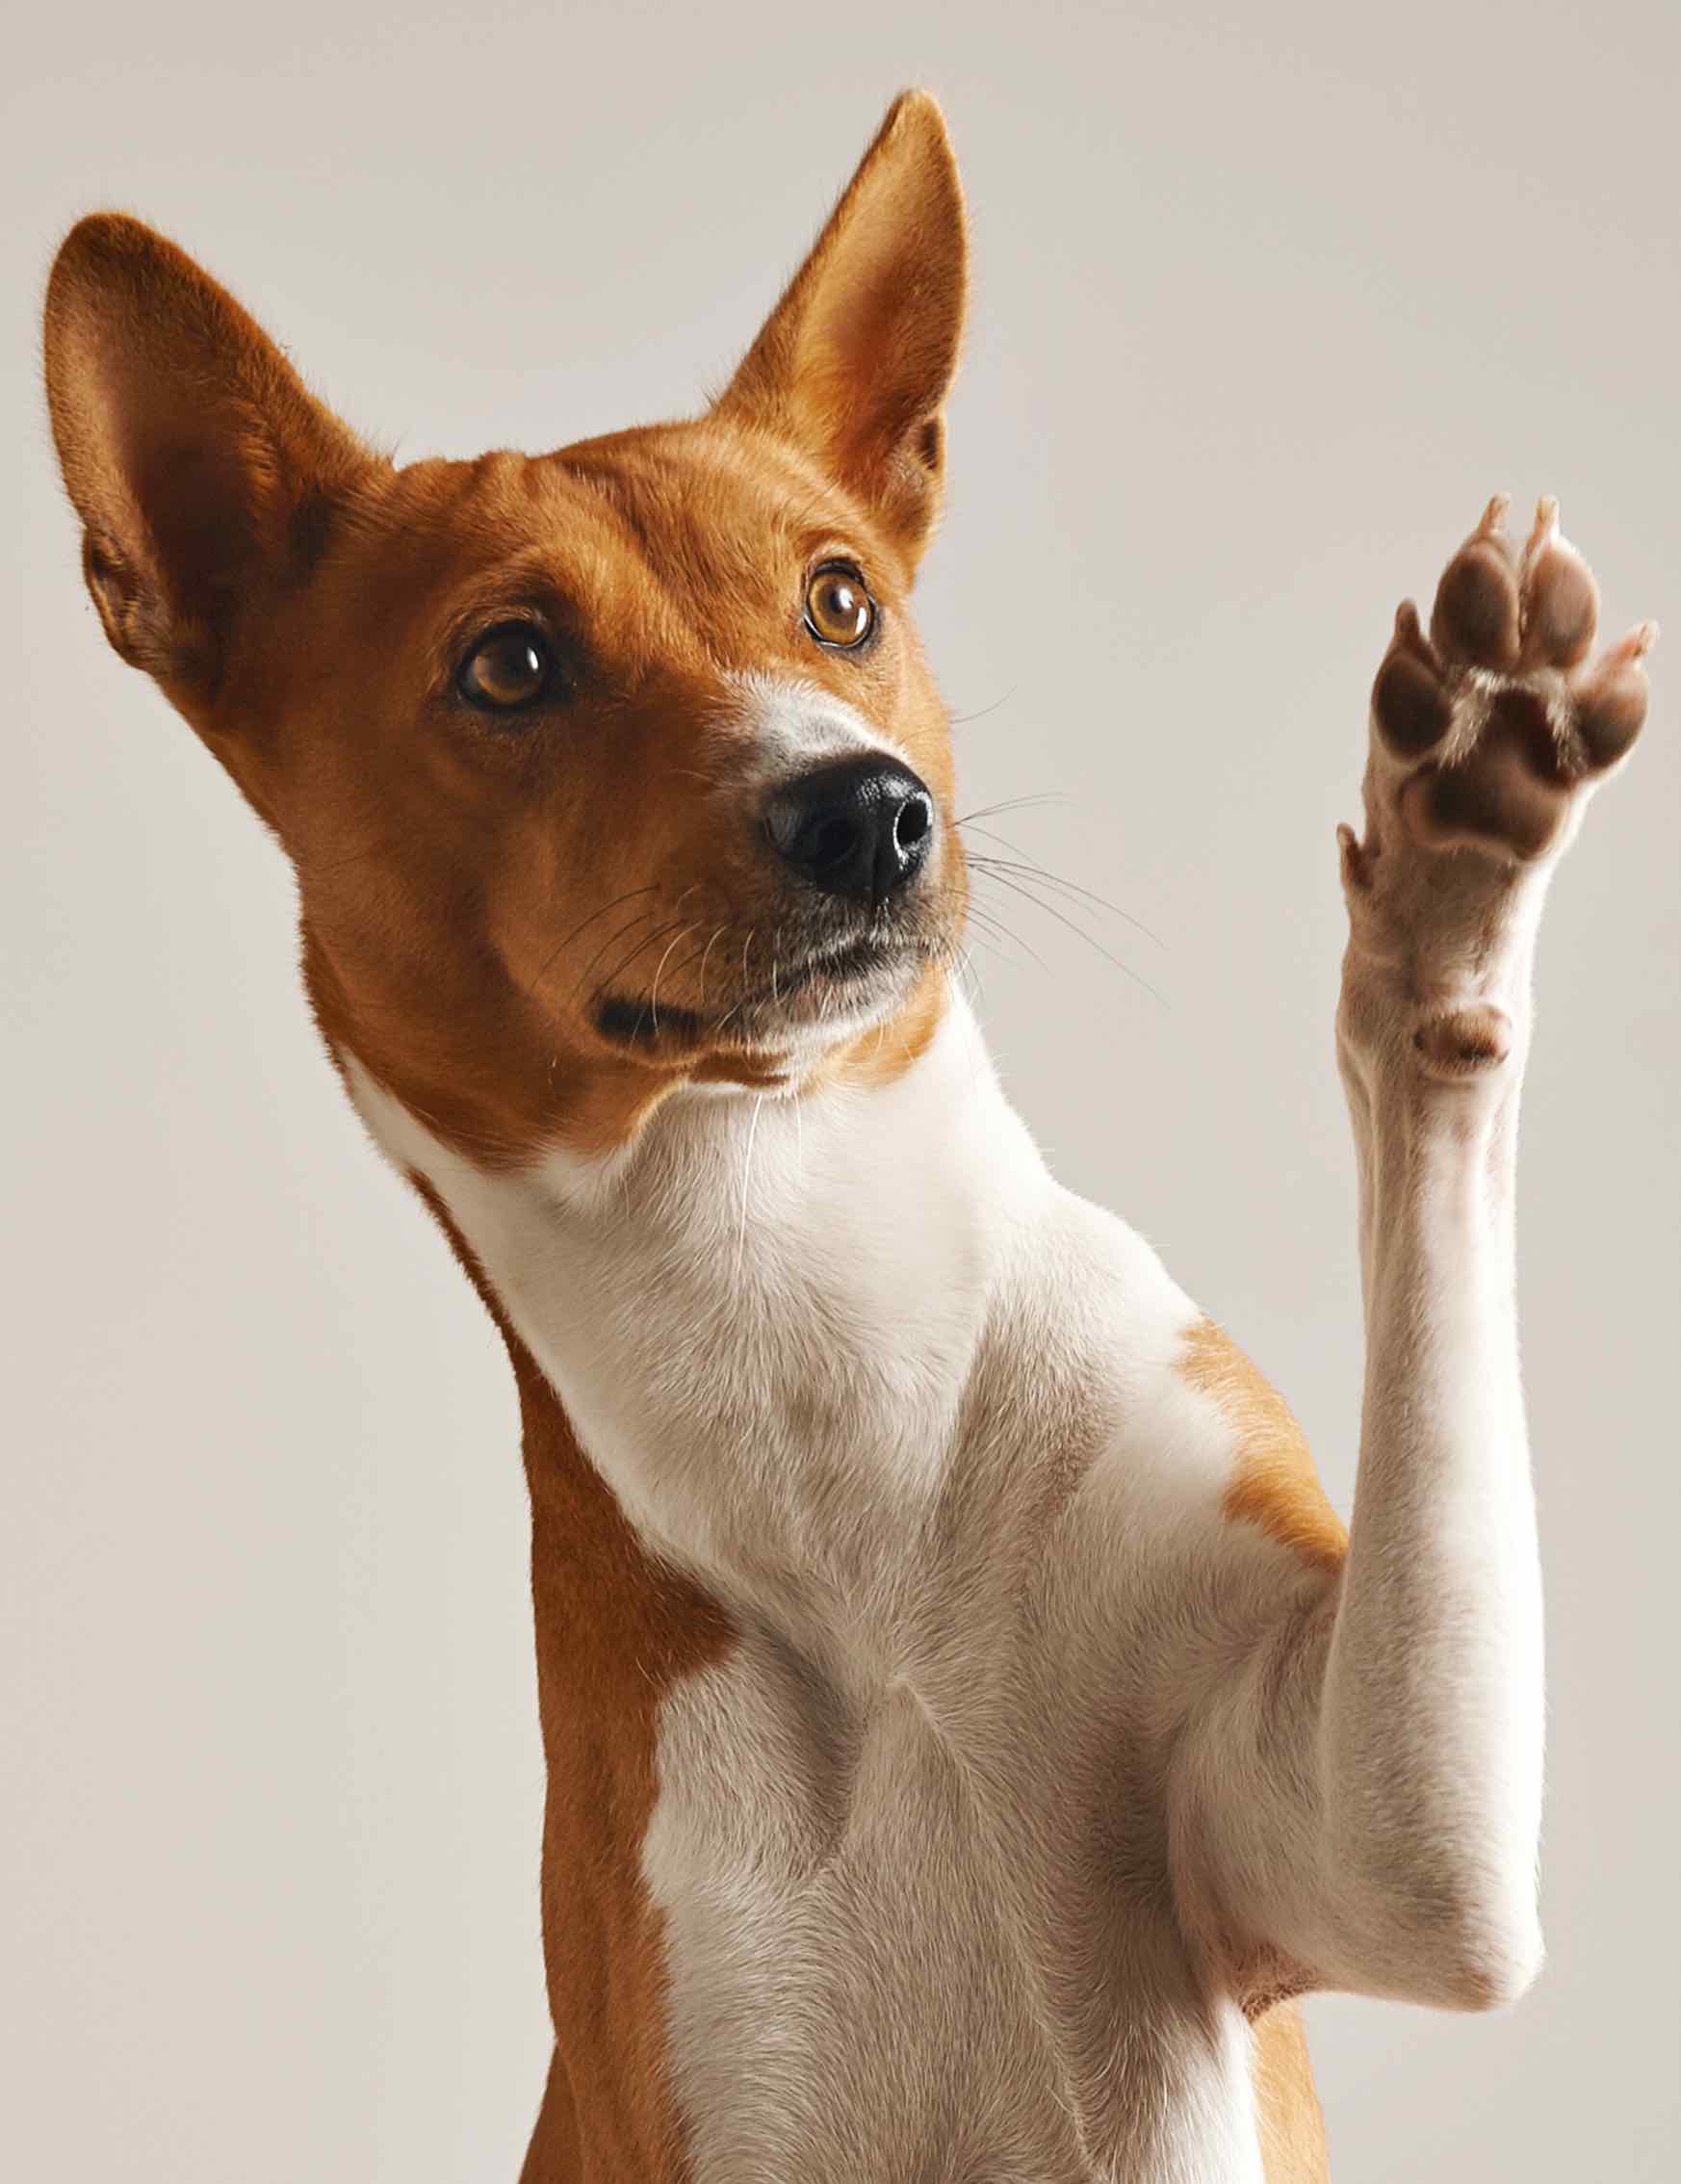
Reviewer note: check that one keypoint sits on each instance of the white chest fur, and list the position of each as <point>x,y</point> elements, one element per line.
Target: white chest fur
<point>912,1410</point>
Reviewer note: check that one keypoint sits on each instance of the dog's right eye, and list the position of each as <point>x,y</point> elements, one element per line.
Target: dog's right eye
<point>509,667</point>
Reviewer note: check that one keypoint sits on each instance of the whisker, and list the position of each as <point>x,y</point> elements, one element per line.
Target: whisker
<point>746,944</point>
<point>746,1189</point>
<point>654,991</point>
<point>1020,888</point>
<point>962,719</point>
<point>1014,804</point>
<point>718,934</point>
<point>649,940</point>
<point>700,955</point>
<point>945,947</point>
<point>1028,868</point>
<point>611,941</point>
<point>1002,936</point>
<point>960,963</point>
<point>630,896</point>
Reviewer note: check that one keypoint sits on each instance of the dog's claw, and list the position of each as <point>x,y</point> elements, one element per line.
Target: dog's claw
<point>1545,527</point>
<point>1357,872</point>
<point>1409,627</point>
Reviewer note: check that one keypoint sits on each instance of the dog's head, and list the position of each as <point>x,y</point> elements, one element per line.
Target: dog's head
<point>602,771</point>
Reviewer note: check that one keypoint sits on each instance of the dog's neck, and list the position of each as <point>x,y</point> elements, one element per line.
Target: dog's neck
<point>762,1319</point>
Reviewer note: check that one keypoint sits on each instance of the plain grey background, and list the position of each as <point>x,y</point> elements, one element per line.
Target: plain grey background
<point>1266,302</point>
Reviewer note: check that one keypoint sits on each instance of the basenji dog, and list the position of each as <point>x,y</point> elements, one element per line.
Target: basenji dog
<point>968,1727</point>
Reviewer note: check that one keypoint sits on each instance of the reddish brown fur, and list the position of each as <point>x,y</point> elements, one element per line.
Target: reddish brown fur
<point>615,1631</point>
<point>305,605</point>
<point>681,549</point>
<point>468,893</point>
<point>1292,2122</point>
<point>871,323</point>
<point>1274,1486</point>
<point>1274,1483</point>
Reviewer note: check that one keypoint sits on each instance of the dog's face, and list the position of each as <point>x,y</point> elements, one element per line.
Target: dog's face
<point>602,771</point>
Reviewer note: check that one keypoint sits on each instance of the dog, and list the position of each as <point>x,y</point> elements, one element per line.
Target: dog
<point>968,1727</point>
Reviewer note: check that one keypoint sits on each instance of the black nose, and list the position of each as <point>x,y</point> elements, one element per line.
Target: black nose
<point>861,828</point>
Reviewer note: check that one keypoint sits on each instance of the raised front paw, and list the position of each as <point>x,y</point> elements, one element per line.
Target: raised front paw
<point>1488,737</point>
<point>1486,732</point>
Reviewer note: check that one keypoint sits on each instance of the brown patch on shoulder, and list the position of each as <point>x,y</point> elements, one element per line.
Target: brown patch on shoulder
<point>1274,1483</point>
<point>616,1630</point>
<point>1292,2122</point>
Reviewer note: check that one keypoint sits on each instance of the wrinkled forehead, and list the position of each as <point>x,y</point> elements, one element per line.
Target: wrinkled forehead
<point>664,547</point>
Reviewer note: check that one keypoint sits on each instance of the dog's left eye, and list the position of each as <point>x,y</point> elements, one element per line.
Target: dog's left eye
<point>509,667</point>
<point>838,608</point>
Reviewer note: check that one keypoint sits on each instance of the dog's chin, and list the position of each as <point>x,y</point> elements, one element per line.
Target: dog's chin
<point>831,997</point>
<point>820,999</point>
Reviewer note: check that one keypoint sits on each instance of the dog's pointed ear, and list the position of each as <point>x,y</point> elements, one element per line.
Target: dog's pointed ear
<point>201,467</point>
<point>855,362</point>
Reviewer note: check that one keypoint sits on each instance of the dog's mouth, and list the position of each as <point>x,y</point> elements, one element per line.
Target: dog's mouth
<point>839,984</point>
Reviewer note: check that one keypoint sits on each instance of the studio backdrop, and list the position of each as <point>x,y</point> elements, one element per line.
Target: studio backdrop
<point>1267,303</point>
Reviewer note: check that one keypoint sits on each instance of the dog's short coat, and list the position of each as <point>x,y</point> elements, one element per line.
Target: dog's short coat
<point>967,1725</point>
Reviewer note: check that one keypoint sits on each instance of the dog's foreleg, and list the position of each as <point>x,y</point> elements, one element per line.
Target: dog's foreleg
<point>1362,1802</point>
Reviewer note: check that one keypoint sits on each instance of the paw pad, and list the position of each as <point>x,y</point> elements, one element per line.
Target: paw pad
<point>1561,600</point>
<point>1511,790</point>
<point>1612,699</point>
<point>1478,615</point>
<point>1490,725</point>
<point>1465,1042</point>
<point>1409,698</point>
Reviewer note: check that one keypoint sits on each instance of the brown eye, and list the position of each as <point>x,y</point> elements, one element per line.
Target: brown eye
<point>839,610</point>
<point>510,668</point>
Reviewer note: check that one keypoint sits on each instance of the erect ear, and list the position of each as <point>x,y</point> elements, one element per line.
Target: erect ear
<point>855,362</point>
<point>199,464</point>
